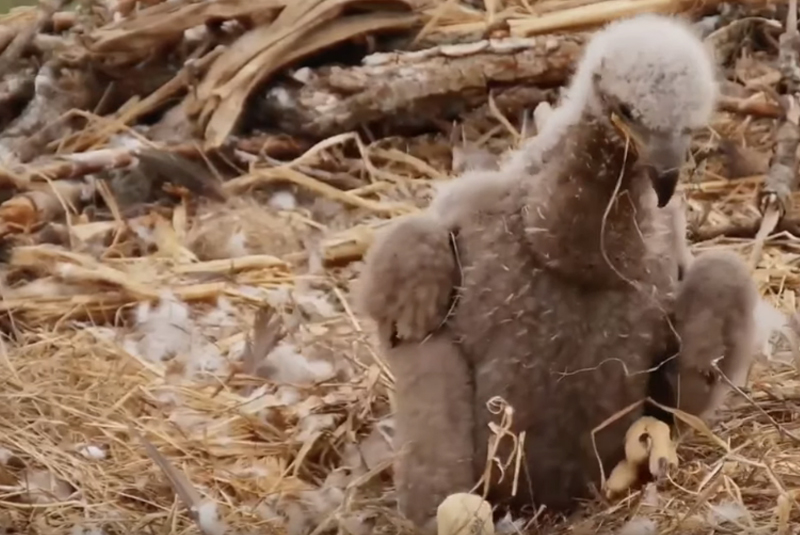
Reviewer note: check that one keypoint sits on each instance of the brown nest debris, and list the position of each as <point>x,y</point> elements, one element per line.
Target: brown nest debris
<point>186,191</point>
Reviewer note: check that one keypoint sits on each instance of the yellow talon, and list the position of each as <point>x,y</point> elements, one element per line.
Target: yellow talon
<point>648,441</point>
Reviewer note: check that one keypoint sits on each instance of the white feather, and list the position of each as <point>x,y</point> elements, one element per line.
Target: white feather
<point>639,525</point>
<point>208,519</point>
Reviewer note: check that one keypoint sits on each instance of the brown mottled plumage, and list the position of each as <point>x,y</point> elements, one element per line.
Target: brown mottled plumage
<point>407,288</point>
<point>568,274</point>
<point>716,318</point>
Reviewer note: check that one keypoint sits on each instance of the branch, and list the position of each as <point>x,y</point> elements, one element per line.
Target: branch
<point>80,164</point>
<point>420,89</point>
<point>746,229</point>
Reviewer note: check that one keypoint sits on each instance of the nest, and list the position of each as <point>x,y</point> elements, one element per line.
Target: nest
<point>181,353</point>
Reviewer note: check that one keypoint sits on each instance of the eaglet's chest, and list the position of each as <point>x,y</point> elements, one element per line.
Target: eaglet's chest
<point>513,313</point>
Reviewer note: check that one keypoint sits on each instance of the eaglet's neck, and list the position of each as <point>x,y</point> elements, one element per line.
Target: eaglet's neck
<point>582,181</point>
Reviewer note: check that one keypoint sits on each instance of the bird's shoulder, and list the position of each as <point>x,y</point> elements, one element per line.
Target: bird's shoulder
<point>473,194</point>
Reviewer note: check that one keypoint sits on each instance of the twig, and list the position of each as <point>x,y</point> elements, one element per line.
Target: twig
<point>750,106</point>
<point>179,482</point>
<point>83,163</point>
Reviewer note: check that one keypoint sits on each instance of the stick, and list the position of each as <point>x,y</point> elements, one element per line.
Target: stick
<point>83,163</point>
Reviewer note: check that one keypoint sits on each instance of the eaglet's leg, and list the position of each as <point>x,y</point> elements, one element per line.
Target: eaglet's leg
<point>433,425</point>
<point>714,317</point>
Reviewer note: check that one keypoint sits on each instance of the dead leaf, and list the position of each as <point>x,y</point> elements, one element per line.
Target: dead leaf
<point>267,333</point>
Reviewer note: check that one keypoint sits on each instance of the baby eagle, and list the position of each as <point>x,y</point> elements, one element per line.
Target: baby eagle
<point>553,288</point>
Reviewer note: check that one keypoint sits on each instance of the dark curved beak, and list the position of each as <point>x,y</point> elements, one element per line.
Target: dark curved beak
<point>663,157</point>
<point>664,183</point>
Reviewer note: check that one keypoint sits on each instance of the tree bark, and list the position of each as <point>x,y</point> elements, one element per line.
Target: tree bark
<point>414,89</point>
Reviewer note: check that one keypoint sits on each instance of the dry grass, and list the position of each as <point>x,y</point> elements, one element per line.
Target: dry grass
<point>143,324</point>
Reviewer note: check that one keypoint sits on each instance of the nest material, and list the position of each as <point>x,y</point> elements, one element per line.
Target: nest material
<point>181,352</point>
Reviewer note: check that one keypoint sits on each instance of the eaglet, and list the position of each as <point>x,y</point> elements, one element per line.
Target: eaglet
<point>553,284</point>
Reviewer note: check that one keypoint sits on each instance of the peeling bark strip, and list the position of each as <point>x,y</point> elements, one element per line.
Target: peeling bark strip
<point>414,86</point>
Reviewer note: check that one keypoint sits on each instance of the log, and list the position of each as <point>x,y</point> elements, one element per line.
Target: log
<point>413,89</point>
<point>416,90</point>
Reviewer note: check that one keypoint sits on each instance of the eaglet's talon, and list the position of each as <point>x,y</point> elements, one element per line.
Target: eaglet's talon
<point>647,440</point>
<point>464,514</point>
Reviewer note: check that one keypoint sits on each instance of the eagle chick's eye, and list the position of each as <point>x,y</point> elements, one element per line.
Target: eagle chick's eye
<point>625,112</point>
